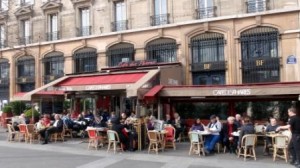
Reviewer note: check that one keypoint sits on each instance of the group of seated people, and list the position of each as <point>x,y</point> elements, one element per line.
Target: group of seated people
<point>223,133</point>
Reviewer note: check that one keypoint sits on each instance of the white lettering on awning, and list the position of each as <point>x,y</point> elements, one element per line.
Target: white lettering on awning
<point>232,92</point>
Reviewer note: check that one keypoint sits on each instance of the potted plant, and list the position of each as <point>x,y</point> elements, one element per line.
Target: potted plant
<point>6,113</point>
<point>32,114</point>
<point>18,107</point>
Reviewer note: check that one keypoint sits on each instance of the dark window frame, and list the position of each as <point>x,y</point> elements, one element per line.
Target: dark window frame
<point>85,57</point>
<point>118,52</point>
<point>162,50</point>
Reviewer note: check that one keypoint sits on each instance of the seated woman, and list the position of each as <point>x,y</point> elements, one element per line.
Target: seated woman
<point>247,128</point>
<point>121,131</point>
<point>228,139</point>
<point>215,128</point>
<point>197,126</point>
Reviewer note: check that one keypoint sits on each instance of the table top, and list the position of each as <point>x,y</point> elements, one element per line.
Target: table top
<point>202,132</point>
<point>235,134</point>
<point>97,128</point>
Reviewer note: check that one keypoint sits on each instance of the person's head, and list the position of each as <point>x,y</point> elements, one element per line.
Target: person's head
<point>198,121</point>
<point>273,121</point>
<point>168,117</point>
<point>292,111</point>
<point>22,115</point>
<point>176,115</point>
<point>237,117</point>
<point>230,120</point>
<point>213,118</point>
<point>246,120</point>
<point>123,115</point>
<point>83,113</point>
<point>113,114</point>
<point>56,117</point>
<point>132,114</point>
<point>79,116</point>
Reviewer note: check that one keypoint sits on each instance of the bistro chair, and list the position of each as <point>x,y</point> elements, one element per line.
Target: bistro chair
<point>248,146</point>
<point>12,134</point>
<point>31,133</point>
<point>170,137</point>
<point>197,144</point>
<point>22,132</point>
<point>280,143</point>
<point>58,136</point>
<point>155,142</point>
<point>113,139</point>
<point>67,131</point>
<point>93,138</point>
<point>259,128</point>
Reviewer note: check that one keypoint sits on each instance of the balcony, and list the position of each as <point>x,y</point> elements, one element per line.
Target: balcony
<point>209,66</point>
<point>203,13</point>
<point>52,36</point>
<point>25,79</point>
<point>52,77</point>
<point>24,3</point>
<point>257,6</point>
<point>84,31</point>
<point>25,40</point>
<point>159,19</point>
<point>119,25</point>
<point>3,43</point>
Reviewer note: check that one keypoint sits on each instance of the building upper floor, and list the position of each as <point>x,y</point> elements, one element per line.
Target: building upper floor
<point>23,22</point>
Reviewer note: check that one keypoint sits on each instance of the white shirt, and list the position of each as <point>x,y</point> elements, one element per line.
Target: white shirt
<point>55,123</point>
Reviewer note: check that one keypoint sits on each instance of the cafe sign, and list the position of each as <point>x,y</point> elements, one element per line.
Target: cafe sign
<point>231,92</point>
<point>137,63</point>
<point>291,59</point>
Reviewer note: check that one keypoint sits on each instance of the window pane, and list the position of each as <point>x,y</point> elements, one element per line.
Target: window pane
<point>160,7</point>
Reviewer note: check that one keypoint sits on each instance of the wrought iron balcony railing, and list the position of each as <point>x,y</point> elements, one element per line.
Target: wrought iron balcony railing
<point>51,36</point>
<point>25,40</point>
<point>209,12</point>
<point>257,6</point>
<point>209,66</point>
<point>4,81</point>
<point>3,43</point>
<point>159,19</point>
<point>84,31</point>
<point>119,25</point>
<point>52,77</point>
<point>26,79</point>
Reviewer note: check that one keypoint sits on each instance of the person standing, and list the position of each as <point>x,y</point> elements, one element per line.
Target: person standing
<point>294,125</point>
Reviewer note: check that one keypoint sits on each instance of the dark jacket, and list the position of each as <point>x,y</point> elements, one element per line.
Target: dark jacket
<point>225,131</point>
<point>60,125</point>
<point>246,129</point>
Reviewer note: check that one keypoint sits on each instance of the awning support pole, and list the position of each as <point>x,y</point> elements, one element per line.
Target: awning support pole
<point>159,113</point>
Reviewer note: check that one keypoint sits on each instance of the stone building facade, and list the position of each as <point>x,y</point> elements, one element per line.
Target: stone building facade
<point>216,41</point>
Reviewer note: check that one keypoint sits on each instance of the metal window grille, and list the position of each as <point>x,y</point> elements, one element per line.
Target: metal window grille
<point>85,60</point>
<point>27,87</point>
<point>3,43</point>
<point>162,50</point>
<point>119,25</point>
<point>260,61</point>
<point>4,73</point>
<point>4,92</point>
<point>51,36</point>
<point>159,19</point>
<point>256,6</point>
<point>26,67</point>
<point>123,52</point>
<point>209,12</point>
<point>53,66</point>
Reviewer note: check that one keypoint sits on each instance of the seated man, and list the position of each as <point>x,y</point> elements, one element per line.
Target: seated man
<point>215,128</point>
<point>55,128</point>
<point>227,138</point>
<point>247,128</point>
<point>270,128</point>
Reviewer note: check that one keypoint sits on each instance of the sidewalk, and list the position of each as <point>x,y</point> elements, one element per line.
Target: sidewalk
<point>178,158</point>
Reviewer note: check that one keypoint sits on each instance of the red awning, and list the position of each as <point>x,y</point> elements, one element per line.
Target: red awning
<point>102,79</point>
<point>59,92</point>
<point>152,92</point>
<point>19,94</point>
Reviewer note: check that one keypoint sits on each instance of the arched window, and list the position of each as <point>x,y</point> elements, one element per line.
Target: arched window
<point>208,63</point>
<point>260,62</point>
<point>85,60</point>
<point>122,52</point>
<point>4,79</point>
<point>26,73</point>
<point>162,50</point>
<point>53,66</point>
